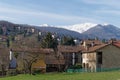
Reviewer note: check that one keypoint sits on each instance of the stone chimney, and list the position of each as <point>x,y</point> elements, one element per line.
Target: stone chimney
<point>11,55</point>
<point>92,44</point>
<point>87,48</point>
<point>85,45</point>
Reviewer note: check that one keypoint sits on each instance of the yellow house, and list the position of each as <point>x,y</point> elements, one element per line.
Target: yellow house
<point>39,65</point>
<point>34,57</point>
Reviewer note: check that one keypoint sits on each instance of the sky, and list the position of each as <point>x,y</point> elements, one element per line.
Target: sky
<point>60,12</point>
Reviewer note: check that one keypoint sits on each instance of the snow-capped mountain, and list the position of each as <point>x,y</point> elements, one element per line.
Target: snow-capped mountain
<point>102,31</point>
<point>79,27</point>
<point>45,25</point>
<point>81,31</point>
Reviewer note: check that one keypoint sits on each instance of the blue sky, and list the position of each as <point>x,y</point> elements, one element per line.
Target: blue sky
<point>60,12</point>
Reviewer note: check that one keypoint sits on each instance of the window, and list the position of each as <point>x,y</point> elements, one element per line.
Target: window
<point>99,57</point>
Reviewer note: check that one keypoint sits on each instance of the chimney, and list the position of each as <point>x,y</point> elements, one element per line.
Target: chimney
<point>11,55</point>
<point>73,59</point>
<point>87,47</point>
<point>84,44</point>
<point>112,41</point>
<point>92,44</point>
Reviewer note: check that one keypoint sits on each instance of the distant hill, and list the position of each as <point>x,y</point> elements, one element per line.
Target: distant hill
<point>104,32</point>
<point>59,31</point>
<point>62,32</point>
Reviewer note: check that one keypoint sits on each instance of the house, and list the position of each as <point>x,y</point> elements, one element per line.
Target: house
<point>98,57</point>
<point>54,62</point>
<point>64,57</point>
<point>33,30</point>
<point>19,37</point>
<point>43,59</point>
<point>8,62</point>
<point>72,54</point>
<point>40,63</point>
<point>3,38</point>
<point>31,57</point>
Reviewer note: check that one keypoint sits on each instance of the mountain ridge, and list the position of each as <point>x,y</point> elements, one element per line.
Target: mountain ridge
<point>79,27</point>
<point>90,30</point>
<point>104,32</point>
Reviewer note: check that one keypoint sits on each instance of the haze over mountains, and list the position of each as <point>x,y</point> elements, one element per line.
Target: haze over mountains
<point>81,31</point>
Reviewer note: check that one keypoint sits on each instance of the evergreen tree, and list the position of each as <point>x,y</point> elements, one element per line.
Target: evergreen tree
<point>1,31</point>
<point>49,42</point>
<point>8,42</point>
<point>67,41</point>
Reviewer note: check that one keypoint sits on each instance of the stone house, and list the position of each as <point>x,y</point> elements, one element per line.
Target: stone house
<point>101,56</point>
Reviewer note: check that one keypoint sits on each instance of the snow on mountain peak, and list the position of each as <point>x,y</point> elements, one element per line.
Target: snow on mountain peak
<point>45,25</point>
<point>105,24</point>
<point>79,27</point>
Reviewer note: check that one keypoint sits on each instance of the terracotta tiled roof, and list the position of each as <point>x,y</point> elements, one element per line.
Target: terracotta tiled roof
<point>70,49</point>
<point>94,48</point>
<point>116,43</point>
<point>97,42</point>
<point>33,50</point>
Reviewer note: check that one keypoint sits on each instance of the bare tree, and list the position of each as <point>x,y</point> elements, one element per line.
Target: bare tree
<point>29,59</point>
<point>27,46</point>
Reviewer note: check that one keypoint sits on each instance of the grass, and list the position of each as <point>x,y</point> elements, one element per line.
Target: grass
<point>67,76</point>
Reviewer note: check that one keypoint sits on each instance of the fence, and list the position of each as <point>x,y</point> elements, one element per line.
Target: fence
<point>75,70</point>
<point>107,69</point>
<point>97,70</point>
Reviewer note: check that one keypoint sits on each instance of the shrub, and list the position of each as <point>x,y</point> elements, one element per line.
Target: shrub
<point>76,67</point>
